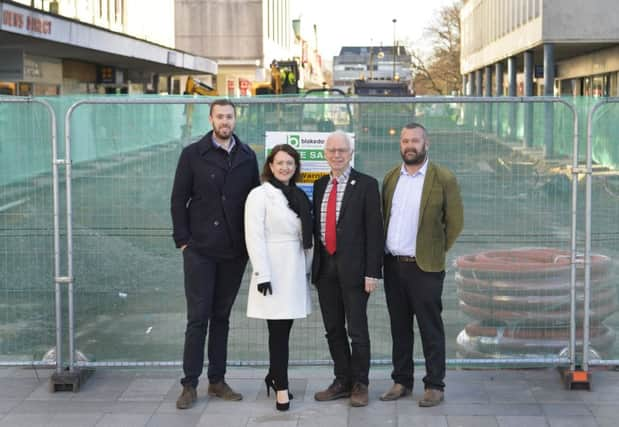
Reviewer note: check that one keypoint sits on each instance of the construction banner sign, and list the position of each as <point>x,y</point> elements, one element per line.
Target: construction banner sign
<point>310,146</point>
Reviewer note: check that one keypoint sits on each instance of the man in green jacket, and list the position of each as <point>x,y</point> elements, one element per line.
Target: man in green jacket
<point>423,216</point>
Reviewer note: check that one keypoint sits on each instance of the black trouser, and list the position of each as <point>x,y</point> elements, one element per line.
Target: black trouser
<point>211,286</point>
<point>279,336</point>
<point>343,306</point>
<point>413,292</point>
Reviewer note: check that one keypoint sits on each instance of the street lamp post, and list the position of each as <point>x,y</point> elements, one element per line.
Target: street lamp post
<point>394,47</point>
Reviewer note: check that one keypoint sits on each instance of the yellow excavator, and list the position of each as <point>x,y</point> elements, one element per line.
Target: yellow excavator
<point>7,88</point>
<point>284,79</point>
<point>194,87</point>
<point>197,87</point>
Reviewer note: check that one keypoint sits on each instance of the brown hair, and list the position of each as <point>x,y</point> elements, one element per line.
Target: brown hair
<point>222,102</point>
<point>267,174</point>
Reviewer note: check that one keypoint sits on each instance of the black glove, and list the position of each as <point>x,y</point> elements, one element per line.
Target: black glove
<point>265,287</point>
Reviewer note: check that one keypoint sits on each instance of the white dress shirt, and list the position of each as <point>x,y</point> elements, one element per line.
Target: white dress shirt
<point>404,217</point>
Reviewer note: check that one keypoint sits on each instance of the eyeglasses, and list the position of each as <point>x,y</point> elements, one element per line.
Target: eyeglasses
<point>337,150</point>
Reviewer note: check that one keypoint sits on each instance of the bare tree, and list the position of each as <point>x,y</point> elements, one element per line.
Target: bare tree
<point>439,72</point>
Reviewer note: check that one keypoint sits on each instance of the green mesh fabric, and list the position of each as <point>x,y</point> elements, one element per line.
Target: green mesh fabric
<point>510,160</point>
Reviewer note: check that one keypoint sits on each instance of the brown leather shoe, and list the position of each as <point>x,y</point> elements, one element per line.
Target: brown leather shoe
<point>187,398</point>
<point>395,392</point>
<point>359,395</point>
<point>336,390</point>
<point>223,391</point>
<point>431,397</point>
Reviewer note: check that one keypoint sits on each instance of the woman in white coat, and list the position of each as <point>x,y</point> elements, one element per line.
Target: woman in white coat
<point>278,233</point>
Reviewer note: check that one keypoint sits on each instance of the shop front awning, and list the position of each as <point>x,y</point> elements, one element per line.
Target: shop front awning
<point>44,34</point>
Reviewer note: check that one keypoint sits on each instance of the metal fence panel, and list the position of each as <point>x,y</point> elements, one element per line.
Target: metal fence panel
<point>600,216</point>
<point>510,295</point>
<point>129,302</point>
<point>27,327</point>
<point>129,293</point>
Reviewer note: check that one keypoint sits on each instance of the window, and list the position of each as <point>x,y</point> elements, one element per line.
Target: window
<point>278,22</point>
<point>269,19</point>
<point>118,11</point>
<point>600,85</point>
<point>286,24</point>
<point>586,86</point>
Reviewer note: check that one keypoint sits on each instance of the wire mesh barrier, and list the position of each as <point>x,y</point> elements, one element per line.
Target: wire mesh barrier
<point>518,197</point>
<point>27,327</point>
<point>600,216</point>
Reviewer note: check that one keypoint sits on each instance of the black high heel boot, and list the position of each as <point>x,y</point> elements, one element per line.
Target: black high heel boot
<point>270,383</point>
<point>282,406</point>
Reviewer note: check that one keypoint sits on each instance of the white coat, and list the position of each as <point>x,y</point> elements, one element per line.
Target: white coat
<point>275,247</point>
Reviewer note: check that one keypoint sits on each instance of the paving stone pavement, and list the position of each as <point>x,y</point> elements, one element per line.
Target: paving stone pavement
<point>146,397</point>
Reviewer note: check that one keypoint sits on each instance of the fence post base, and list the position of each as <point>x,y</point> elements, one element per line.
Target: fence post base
<point>69,380</point>
<point>576,379</point>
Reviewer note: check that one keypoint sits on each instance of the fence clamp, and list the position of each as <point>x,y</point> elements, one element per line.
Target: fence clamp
<point>580,170</point>
<point>60,162</point>
<point>63,279</point>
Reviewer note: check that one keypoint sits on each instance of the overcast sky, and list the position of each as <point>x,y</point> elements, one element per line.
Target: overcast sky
<point>361,23</point>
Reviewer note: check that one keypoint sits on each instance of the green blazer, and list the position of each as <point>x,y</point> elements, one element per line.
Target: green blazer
<point>441,215</point>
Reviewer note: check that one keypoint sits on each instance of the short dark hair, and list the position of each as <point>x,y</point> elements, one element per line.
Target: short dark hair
<point>222,102</point>
<point>415,125</point>
<point>267,174</point>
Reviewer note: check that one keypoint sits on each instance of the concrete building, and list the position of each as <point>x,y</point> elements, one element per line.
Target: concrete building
<point>244,37</point>
<point>91,46</point>
<point>370,63</point>
<point>313,70</point>
<point>540,47</point>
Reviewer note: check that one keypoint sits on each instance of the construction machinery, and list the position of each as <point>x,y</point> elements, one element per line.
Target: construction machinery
<point>382,88</point>
<point>197,87</point>
<point>194,87</point>
<point>284,79</point>
<point>7,88</point>
<point>326,117</point>
<point>375,122</point>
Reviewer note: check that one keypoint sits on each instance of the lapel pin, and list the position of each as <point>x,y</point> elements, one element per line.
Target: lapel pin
<point>353,182</point>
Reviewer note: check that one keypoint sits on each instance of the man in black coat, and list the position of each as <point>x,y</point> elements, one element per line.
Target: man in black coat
<point>213,178</point>
<point>346,267</point>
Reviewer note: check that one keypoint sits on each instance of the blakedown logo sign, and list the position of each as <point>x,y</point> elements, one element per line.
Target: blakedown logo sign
<point>294,140</point>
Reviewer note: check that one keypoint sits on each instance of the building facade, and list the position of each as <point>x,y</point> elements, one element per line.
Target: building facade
<point>370,63</point>
<point>91,46</point>
<point>244,37</point>
<point>540,47</point>
<point>313,72</point>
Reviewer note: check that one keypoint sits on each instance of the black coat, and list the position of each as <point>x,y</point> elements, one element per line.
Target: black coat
<point>208,197</point>
<point>359,230</point>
